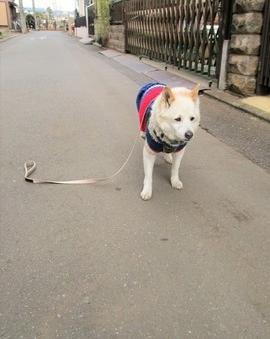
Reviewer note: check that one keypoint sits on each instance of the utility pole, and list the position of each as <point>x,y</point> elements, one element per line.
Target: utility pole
<point>34,13</point>
<point>23,24</point>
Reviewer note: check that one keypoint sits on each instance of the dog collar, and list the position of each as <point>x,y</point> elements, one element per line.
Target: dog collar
<point>158,145</point>
<point>163,138</point>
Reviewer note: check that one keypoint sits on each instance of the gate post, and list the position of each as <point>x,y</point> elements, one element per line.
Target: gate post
<point>226,22</point>
<point>245,46</point>
<point>263,80</point>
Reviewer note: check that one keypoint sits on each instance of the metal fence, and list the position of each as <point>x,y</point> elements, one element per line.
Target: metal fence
<point>80,21</point>
<point>184,33</point>
<point>91,19</point>
<point>264,72</point>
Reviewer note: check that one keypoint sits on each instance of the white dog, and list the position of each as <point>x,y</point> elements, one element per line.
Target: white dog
<point>169,117</point>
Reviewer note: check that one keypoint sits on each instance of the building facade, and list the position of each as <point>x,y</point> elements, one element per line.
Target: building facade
<point>8,15</point>
<point>81,5</point>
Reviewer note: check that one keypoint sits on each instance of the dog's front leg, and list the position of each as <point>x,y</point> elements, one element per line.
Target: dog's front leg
<point>148,163</point>
<point>175,181</point>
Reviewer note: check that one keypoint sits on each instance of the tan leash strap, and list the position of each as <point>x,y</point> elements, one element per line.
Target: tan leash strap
<point>30,167</point>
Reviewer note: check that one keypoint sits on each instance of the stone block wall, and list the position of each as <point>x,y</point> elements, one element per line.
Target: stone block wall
<point>117,38</point>
<point>243,59</point>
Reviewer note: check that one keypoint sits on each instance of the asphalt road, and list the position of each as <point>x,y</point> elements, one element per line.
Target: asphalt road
<point>96,261</point>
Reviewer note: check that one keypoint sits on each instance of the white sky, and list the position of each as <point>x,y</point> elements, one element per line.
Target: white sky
<point>65,5</point>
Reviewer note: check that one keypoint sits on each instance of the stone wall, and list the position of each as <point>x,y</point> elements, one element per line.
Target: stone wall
<point>245,44</point>
<point>117,38</point>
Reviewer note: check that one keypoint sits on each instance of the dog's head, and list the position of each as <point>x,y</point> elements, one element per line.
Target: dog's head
<point>177,113</point>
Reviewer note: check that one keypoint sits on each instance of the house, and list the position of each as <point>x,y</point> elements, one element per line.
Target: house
<point>81,30</point>
<point>80,6</point>
<point>8,15</point>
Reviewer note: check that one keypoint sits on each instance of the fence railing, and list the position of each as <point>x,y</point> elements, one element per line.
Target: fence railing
<point>80,21</point>
<point>91,19</point>
<point>184,33</point>
<point>264,72</point>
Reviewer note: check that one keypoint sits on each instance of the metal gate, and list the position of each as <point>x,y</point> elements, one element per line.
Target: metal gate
<point>184,33</point>
<point>264,71</point>
<point>91,19</point>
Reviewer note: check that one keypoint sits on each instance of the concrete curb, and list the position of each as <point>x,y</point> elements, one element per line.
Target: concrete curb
<point>9,37</point>
<point>230,100</point>
<point>222,96</point>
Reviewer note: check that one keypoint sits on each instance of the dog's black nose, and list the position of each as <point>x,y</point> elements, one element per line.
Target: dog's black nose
<point>188,135</point>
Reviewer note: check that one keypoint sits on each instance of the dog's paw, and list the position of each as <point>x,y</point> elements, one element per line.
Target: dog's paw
<point>146,194</point>
<point>176,183</point>
<point>168,158</point>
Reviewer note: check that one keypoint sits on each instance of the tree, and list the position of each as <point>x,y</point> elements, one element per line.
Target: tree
<point>41,18</point>
<point>30,21</point>
<point>50,13</point>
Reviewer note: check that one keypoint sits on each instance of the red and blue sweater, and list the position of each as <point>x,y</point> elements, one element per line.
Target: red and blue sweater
<point>145,99</point>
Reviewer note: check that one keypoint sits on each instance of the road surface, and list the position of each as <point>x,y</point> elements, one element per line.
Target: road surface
<point>97,261</point>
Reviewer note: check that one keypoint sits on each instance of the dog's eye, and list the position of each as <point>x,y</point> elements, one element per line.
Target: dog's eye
<point>178,119</point>
<point>192,118</point>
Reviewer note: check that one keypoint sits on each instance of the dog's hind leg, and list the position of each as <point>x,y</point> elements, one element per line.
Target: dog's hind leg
<point>148,163</point>
<point>175,181</point>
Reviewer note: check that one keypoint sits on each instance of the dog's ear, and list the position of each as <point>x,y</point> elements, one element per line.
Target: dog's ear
<point>195,92</point>
<point>168,96</point>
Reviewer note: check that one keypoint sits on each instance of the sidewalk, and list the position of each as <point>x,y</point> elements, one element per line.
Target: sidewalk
<point>258,106</point>
<point>8,35</point>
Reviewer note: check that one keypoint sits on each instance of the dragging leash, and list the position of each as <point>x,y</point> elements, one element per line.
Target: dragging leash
<point>30,167</point>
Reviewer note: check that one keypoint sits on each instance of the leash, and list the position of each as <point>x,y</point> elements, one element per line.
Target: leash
<point>30,166</point>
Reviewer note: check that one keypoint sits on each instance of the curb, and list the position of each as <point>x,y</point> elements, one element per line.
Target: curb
<point>222,96</point>
<point>225,97</point>
<point>9,37</point>
<point>229,99</point>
